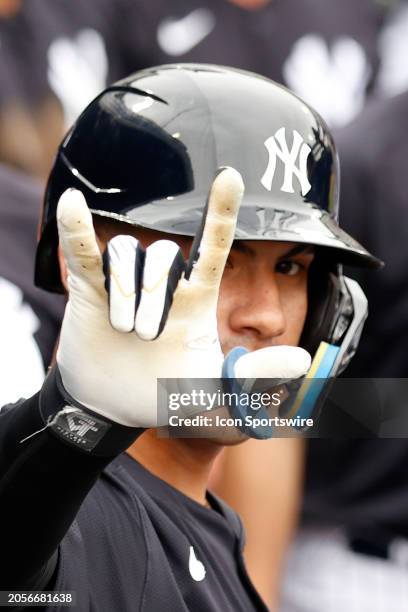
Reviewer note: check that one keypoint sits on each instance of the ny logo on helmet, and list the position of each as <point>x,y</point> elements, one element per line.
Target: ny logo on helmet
<point>277,146</point>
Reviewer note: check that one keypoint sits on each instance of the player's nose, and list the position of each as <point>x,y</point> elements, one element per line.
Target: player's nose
<point>257,316</point>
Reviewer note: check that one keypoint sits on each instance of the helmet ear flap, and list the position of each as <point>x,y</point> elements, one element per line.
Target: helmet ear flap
<point>323,299</point>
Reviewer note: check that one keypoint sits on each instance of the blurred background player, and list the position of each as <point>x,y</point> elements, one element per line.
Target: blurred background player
<point>29,318</point>
<point>56,55</point>
<point>354,526</point>
<point>54,58</point>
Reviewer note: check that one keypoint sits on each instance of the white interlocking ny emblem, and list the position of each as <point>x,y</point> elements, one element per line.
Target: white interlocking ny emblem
<point>277,147</point>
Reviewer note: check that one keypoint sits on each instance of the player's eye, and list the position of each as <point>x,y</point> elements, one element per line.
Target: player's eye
<point>288,267</point>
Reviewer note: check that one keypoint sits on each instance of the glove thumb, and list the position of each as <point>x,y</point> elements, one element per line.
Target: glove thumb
<point>273,362</point>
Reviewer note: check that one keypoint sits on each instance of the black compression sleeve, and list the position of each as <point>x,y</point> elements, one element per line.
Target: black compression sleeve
<point>43,482</point>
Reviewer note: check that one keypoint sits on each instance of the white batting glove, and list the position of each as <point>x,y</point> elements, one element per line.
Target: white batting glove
<point>158,319</point>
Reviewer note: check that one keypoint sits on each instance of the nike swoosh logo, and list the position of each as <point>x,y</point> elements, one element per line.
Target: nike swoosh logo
<point>178,36</point>
<point>196,568</point>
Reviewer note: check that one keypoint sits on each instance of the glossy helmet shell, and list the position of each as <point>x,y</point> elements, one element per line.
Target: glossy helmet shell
<point>146,150</point>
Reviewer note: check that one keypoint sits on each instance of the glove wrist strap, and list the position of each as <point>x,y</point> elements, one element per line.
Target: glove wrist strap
<point>78,426</point>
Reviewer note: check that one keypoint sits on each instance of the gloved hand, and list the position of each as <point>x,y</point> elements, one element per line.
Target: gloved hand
<point>159,319</point>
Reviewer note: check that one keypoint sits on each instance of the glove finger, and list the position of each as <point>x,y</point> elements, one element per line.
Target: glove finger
<point>163,267</point>
<point>123,262</point>
<point>78,241</point>
<point>273,362</point>
<point>212,244</point>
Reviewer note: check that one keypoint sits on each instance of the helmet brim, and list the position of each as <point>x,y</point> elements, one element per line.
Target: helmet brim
<point>256,221</point>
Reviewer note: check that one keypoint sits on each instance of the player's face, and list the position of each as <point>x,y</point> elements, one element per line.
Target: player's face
<point>262,300</point>
<point>9,8</point>
<point>250,4</point>
<point>263,294</point>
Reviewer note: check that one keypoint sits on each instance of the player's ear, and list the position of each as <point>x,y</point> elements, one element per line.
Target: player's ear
<point>63,269</point>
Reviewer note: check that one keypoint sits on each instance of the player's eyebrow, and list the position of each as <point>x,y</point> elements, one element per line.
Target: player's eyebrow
<point>238,245</point>
<point>298,249</point>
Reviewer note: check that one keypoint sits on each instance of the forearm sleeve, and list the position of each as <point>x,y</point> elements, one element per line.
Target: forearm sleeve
<point>43,481</point>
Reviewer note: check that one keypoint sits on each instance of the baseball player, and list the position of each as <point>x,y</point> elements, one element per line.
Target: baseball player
<point>95,506</point>
<point>57,55</point>
<point>30,318</point>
